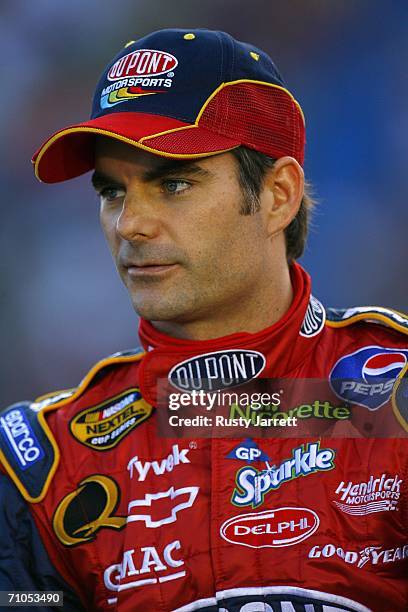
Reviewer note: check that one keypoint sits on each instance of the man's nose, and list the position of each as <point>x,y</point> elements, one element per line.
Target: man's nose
<point>138,218</point>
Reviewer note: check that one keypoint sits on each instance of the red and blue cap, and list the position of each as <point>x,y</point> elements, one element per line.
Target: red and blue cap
<point>182,94</point>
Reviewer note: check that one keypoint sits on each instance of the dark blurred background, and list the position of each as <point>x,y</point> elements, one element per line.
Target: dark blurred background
<point>62,305</point>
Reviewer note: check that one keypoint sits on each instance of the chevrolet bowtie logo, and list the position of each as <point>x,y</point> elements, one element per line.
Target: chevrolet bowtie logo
<point>158,509</point>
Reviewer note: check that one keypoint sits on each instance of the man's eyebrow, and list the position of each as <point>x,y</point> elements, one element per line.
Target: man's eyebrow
<point>100,179</point>
<point>171,167</point>
<point>166,168</point>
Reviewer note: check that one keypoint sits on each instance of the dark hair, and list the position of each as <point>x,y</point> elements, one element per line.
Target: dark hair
<point>253,166</point>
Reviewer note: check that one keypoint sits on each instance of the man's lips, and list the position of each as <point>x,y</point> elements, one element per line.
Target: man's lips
<point>147,268</point>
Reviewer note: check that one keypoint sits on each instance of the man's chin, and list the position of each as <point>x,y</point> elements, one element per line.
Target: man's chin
<point>157,311</point>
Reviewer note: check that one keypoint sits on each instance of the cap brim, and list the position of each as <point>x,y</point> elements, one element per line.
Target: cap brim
<point>70,152</point>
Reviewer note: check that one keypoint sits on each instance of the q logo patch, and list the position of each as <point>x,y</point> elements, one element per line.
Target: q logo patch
<point>82,513</point>
<point>103,426</point>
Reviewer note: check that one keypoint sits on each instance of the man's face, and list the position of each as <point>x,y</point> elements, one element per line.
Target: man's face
<point>181,246</point>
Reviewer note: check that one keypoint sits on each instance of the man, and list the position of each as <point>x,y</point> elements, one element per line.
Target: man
<point>197,150</point>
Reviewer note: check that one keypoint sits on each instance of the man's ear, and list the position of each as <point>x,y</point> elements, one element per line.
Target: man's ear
<point>282,194</point>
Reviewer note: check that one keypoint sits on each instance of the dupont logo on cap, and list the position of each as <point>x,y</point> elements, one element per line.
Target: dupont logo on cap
<point>143,62</point>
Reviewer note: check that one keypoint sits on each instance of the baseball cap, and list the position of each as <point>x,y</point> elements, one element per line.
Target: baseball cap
<point>182,94</point>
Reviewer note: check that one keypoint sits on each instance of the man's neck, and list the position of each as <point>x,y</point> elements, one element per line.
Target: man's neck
<point>260,312</point>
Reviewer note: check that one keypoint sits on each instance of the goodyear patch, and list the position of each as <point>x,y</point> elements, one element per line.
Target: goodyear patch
<point>102,427</point>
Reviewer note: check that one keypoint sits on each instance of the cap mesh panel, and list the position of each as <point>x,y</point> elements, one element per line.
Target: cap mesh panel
<point>260,117</point>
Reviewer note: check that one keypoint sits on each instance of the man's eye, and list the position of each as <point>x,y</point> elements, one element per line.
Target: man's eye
<point>109,194</point>
<point>174,186</point>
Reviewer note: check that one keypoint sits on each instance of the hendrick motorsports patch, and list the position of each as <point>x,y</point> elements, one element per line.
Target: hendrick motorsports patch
<point>103,426</point>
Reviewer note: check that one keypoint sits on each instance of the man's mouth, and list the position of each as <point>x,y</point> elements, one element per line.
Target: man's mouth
<point>150,268</point>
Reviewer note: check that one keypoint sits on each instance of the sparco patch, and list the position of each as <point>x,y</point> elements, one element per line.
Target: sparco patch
<point>271,528</point>
<point>102,427</point>
<point>218,370</point>
<point>19,435</point>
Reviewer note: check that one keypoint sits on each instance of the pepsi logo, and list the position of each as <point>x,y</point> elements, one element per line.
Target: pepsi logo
<point>367,376</point>
<point>384,364</point>
<point>143,62</point>
<point>271,528</point>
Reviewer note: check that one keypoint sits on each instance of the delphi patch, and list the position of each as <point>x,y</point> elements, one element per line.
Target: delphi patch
<point>102,427</point>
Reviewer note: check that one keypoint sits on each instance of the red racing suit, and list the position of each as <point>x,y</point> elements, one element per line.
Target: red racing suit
<point>96,503</point>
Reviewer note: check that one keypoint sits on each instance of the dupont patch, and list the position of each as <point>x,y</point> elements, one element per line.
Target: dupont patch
<point>144,72</point>
<point>217,370</point>
<point>27,451</point>
<point>102,427</point>
<point>314,320</point>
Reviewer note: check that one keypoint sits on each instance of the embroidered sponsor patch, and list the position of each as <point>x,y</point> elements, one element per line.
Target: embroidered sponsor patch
<point>248,451</point>
<point>83,512</point>
<point>367,376</point>
<point>379,494</point>
<point>135,74</point>
<point>177,456</point>
<point>314,320</point>
<point>161,508</point>
<point>372,555</point>
<point>18,434</point>
<point>28,449</point>
<point>102,427</point>
<point>146,565</point>
<point>271,528</point>
<point>217,370</point>
<point>252,485</point>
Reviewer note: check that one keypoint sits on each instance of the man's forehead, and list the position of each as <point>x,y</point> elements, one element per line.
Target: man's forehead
<point>110,150</point>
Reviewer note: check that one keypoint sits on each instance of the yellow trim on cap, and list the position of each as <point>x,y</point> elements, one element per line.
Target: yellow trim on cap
<point>41,418</point>
<point>238,82</point>
<point>367,316</point>
<point>134,143</point>
<point>178,129</point>
<point>139,143</point>
<point>397,413</point>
